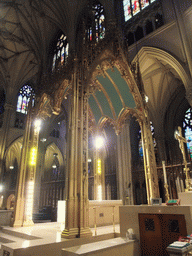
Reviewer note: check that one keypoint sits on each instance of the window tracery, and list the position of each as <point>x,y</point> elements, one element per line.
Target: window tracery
<point>95,23</point>
<point>25,93</point>
<point>132,7</point>
<point>61,52</point>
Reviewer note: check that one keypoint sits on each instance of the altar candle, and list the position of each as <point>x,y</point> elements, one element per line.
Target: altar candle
<point>164,172</point>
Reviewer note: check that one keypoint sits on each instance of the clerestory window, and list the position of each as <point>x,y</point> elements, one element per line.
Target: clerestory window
<point>95,22</point>
<point>132,7</point>
<point>61,52</point>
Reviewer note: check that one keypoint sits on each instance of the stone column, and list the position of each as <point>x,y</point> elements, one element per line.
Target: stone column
<point>5,131</point>
<point>149,161</point>
<point>20,190</point>
<point>124,164</point>
<point>183,33</point>
<point>77,204</point>
<point>32,164</point>
<point>40,168</point>
<point>185,41</point>
<point>119,168</point>
<point>160,140</point>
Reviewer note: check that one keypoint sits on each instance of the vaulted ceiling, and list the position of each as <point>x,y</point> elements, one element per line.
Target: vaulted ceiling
<point>27,28</point>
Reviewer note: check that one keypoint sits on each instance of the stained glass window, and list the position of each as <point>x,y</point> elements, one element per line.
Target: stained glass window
<point>61,52</point>
<point>25,93</point>
<point>187,126</point>
<point>135,7</point>
<point>144,3</point>
<point>132,7</point>
<point>95,23</point>
<point>140,141</point>
<point>127,9</point>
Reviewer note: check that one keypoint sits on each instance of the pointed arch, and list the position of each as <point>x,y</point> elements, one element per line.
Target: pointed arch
<point>114,87</point>
<point>13,152</point>
<point>49,156</point>
<point>163,56</point>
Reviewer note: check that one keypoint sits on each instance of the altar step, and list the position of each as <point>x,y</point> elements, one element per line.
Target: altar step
<point>44,240</point>
<point>15,234</point>
<point>115,246</point>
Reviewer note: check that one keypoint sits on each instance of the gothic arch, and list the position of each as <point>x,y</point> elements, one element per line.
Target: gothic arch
<point>105,75</point>
<point>163,56</point>
<point>162,75</point>
<point>13,152</point>
<point>49,157</point>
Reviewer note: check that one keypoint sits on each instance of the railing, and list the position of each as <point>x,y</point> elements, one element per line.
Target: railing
<point>95,216</point>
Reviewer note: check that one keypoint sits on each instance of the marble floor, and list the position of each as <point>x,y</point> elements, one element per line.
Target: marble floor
<point>42,233</point>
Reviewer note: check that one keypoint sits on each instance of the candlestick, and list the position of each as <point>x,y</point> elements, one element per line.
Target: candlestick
<point>164,172</point>
<point>166,192</point>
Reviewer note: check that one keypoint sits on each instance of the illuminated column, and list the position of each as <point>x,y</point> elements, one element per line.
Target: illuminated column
<point>149,162</point>
<point>97,180</point>
<point>99,177</point>
<point>31,174</point>
<point>77,204</point>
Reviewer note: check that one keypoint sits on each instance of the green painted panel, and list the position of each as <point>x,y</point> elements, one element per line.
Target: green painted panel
<point>123,87</point>
<point>113,95</point>
<point>104,103</point>
<point>95,109</point>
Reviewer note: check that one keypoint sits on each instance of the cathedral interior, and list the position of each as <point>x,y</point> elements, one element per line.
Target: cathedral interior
<point>110,83</point>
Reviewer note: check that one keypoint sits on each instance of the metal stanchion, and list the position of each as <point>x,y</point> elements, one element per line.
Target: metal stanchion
<point>113,218</point>
<point>95,221</point>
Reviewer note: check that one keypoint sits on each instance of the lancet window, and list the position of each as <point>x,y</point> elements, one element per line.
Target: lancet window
<point>187,126</point>
<point>61,52</point>
<point>95,23</point>
<point>25,93</point>
<point>132,7</point>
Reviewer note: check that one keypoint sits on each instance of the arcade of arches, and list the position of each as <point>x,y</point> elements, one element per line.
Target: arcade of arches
<point>111,70</point>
